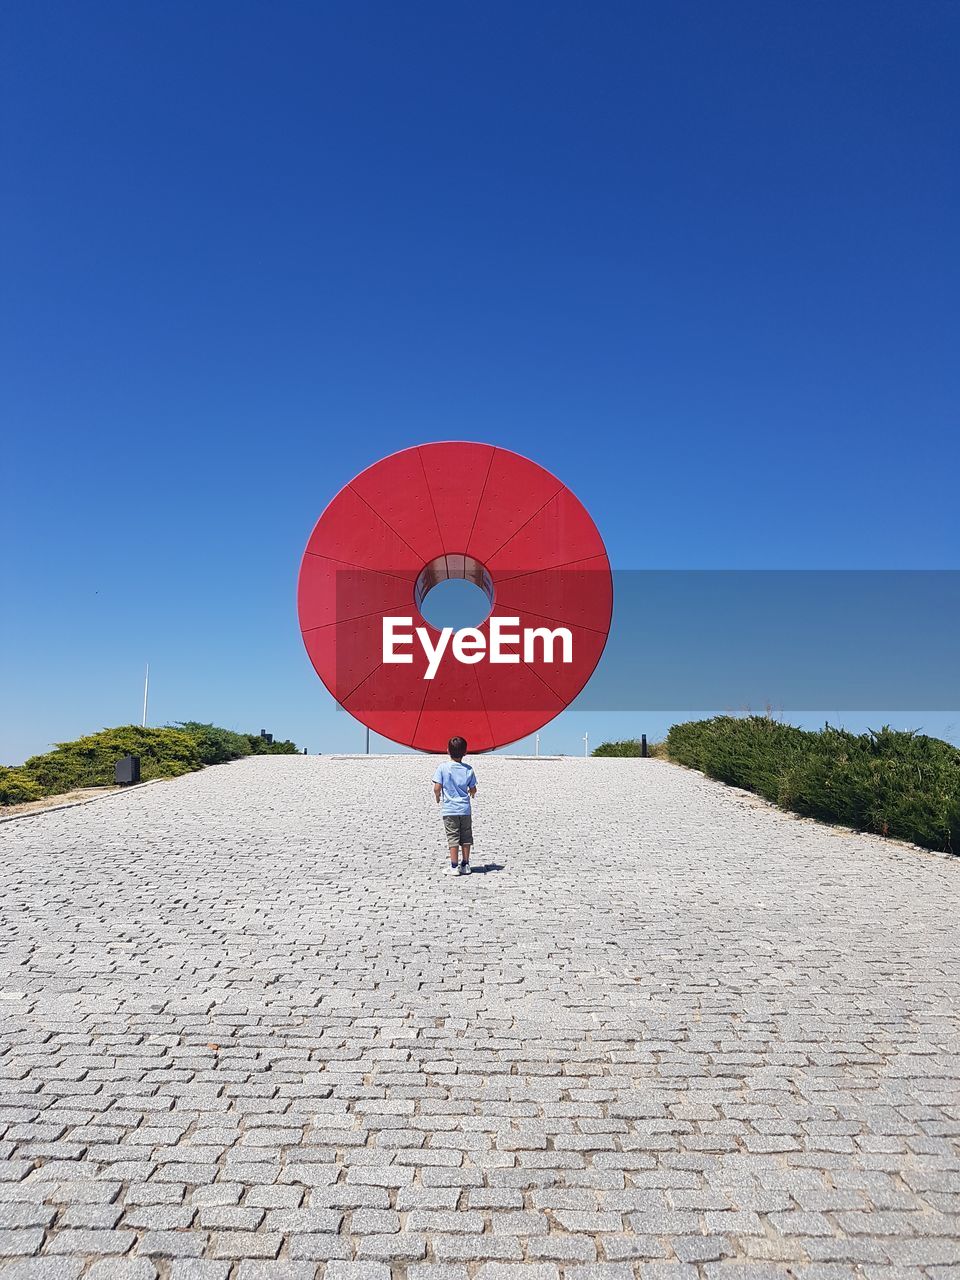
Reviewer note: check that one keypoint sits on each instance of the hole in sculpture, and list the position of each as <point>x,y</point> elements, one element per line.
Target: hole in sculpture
<point>454,591</point>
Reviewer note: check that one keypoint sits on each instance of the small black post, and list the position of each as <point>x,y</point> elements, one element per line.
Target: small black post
<point>643,744</point>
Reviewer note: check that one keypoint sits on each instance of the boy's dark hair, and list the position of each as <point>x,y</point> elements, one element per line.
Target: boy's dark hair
<point>457,748</point>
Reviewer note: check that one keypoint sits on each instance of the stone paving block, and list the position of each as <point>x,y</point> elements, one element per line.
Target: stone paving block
<point>800,1222</point>
<point>562,1248</point>
<point>375,1222</point>
<point>321,1247</point>
<point>445,1220</point>
<point>356,1271</point>
<point>303,1221</point>
<point>739,1222</point>
<point>23,1213</point>
<point>89,1242</point>
<point>746,1271</point>
<point>600,1271</point>
<point>702,1248</point>
<point>620,1248</point>
<point>246,1244</point>
<point>476,1248</point>
<point>85,1191</point>
<point>218,1193</point>
<point>927,1252</point>
<point>43,1269</point>
<point>400,1246</point>
<point>379,1176</point>
<point>160,1217</point>
<point>173,1244</point>
<point>342,1196</point>
<point>273,1197</point>
<point>839,1271</point>
<point>230,1217</point>
<point>460,1177</point>
<point>519,1271</point>
<point>890,1271</point>
<point>496,1198</point>
<point>428,1198</point>
<point>583,1220</point>
<point>197,1269</point>
<point>155,1193</point>
<point>436,1271</point>
<point>278,1270</point>
<point>519,1223</point>
<point>122,1269</point>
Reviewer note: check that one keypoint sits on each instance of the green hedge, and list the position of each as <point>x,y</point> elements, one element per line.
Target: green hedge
<point>892,783</point>
<point>16,787</point>
<point>89,761</point>
<point>216,745</point>
<point>164,753</point>
<point>260,747</point>
<point>628,747</point>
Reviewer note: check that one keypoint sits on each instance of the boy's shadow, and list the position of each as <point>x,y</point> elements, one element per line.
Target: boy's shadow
<point>482,868</point>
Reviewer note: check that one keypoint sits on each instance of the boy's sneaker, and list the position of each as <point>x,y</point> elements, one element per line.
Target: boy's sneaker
<point>452,869</point>
<point>464,868</point>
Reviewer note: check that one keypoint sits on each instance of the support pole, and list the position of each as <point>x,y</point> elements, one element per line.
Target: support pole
<point>146,690</point>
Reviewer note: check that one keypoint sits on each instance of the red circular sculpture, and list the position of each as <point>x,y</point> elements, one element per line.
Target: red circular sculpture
<point>455,510</point>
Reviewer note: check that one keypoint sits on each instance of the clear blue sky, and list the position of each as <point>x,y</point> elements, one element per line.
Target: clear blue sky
<point>699,260</point>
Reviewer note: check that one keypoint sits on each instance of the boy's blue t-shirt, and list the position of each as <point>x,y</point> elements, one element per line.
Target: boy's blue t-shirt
<point>455,778</point>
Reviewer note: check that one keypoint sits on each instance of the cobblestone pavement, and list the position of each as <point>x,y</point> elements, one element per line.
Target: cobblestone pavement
<point>663,1033</point>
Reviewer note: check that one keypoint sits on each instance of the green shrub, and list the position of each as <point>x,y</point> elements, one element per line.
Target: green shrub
<point>749,752</point>
<point>629,747</point>
<point>89,761</point>
<point>260,747</point>
<point>892,783</point>
<point>164,753</point>
<point>216,745</point>
<point>16,787</point>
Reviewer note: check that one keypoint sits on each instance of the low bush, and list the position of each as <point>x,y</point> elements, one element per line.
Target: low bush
<point>899,784</point>
<point>89,761</point>
<point>164,753</point>
<point>750,751</point>
<point>889,782</point>
<point>219,745</point>
<point>261,747</point>
<point>628,747</point>
<point>16,787</point>
<point>216,745</point>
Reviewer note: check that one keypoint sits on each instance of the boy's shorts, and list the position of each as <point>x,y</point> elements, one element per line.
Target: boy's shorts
<point>459,828</point>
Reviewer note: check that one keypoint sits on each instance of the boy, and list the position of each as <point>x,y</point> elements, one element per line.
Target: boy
<point>456,783</point>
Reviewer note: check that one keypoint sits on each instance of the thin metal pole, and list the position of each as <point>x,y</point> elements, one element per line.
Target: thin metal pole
<point>586,739</point>
<point>146,689</point>
<point>538,745</point>
<point>368,739</point>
